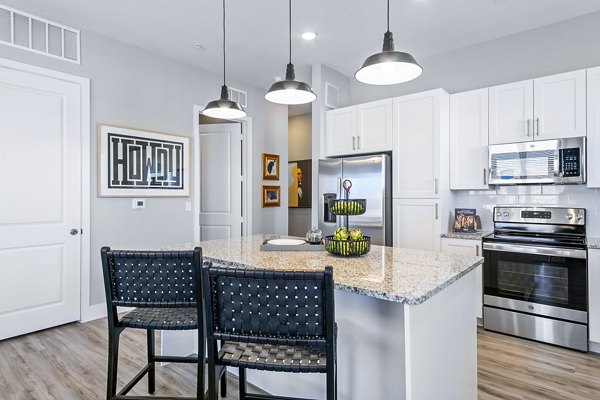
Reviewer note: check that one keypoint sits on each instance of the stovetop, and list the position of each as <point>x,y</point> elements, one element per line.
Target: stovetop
<point>547,226</point>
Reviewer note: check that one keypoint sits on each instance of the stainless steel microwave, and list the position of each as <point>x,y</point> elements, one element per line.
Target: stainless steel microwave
<point>559,161</point>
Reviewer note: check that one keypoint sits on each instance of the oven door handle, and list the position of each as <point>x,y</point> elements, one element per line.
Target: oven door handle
<point>536,250</point>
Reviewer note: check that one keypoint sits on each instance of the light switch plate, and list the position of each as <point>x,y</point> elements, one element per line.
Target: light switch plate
<point>138,204</point>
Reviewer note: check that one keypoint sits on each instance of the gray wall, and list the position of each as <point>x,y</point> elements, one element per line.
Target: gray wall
<point>561,47</point>
<point>136,88</point>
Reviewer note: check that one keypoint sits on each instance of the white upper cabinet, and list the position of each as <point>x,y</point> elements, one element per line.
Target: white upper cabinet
<point>416,156</point>
<point>560,106</point>
<point>552,107</point>
<point>374,126</point>
<point>511,112</point>
<point>366,128</point>
<point>469,140</point>
<point>593,128</point>
<point>341,132</point>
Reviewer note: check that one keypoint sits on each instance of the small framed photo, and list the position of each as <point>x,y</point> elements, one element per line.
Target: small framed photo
<point>271,196</point>
<point>466,220</point>
<point>270,163</point>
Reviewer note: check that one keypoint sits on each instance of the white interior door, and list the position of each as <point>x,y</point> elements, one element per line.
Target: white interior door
<point>40,202</point>
<point>220,181</point>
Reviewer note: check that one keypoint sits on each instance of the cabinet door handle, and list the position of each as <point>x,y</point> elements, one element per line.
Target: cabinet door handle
<point>358,142</point>
<point>477,250</point>
<point>435,185</point>
<point>485,176</point>
<point>437,216</point>
<point>537,125</point>
<point>528,126</point>
<point>353,142</point>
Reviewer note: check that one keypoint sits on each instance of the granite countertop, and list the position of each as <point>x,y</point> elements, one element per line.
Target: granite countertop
<point>394,274</point>
<point>593,243</point>
<point>463,235</point>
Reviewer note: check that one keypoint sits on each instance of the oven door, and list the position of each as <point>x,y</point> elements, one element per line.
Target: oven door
<point>521,276</point>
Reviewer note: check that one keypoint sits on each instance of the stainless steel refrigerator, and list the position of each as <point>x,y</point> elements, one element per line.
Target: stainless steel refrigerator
<point>371,180</point>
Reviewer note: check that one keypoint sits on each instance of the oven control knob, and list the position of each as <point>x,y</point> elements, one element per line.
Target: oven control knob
<point>570,216</point>
<point>505,214</point>
<point>498,214</point>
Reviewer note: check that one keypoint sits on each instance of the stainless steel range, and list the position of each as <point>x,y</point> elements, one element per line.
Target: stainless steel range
<point>535,275</point>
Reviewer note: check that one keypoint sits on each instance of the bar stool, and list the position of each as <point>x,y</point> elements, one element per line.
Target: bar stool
<point>165,289</point>
<point>269,320</point>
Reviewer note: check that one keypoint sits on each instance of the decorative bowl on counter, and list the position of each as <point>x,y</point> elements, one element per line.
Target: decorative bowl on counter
<point>348,207</point>
<point>348,248</point>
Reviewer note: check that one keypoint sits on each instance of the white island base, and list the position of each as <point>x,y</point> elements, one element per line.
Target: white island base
<point>389,350</point>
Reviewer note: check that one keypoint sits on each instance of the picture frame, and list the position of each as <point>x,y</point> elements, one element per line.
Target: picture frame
<point>300,184</point>
<point>466,220</point>
<point>141,163</point>
<point>270,166</point>
<point>271,196</point>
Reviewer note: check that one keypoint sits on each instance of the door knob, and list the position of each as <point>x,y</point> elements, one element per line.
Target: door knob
<point>74,232</point>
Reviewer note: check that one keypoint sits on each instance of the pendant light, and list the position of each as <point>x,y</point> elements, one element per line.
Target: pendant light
<point>290,91</point>
<point>224,108</point>
<point>388,67</point>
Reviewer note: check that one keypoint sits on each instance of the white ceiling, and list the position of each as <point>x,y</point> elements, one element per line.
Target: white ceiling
<point>348,30</point>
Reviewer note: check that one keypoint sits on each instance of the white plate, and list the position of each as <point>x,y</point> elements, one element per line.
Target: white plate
<point>286,242</point>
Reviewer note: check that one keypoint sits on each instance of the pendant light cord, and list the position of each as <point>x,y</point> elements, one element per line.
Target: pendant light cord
<point>388,15</point>
<point>224,80</point>
<point>290,10</point>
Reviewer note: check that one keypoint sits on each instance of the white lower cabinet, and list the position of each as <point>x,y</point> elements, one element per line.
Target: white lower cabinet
<point>417,224</point>
<point>470,247</point>
<point>594,294</point>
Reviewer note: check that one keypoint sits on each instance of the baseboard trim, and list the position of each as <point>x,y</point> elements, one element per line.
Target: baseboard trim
<point>93,312</point>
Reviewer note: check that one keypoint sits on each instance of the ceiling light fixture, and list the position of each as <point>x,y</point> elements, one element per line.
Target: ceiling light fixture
<point>388,67</point>
<point>290,91</point>
<point>308,35</point>
<point>224,108</point>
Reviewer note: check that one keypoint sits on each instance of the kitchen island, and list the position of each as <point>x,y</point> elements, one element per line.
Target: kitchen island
<point>406,321</point>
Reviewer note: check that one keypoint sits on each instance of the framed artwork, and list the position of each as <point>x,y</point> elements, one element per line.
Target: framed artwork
<point>141,163</point>
<point>270,166</point>
<point>271,196</point>
<point>466,220</point>
<point>300,184</point>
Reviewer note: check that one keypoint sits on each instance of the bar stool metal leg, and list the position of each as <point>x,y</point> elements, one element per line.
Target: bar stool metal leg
<point>113,363</point>
<point>242,383</point>
<point>152,370</point>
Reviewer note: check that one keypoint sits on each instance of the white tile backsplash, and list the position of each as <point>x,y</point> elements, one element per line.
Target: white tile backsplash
<point>558,196</point>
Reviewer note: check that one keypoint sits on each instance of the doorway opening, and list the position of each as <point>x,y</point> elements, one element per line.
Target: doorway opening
<point>299,175</point>
<point>222,200</point>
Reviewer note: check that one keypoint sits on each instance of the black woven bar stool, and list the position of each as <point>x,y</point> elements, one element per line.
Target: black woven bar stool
<point>165,289</point>
<point>268,320</point>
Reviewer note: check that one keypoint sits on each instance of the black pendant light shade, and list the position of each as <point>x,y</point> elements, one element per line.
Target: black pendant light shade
<point>388,67</point>
<point>290,91</point>
<point>224,108</point>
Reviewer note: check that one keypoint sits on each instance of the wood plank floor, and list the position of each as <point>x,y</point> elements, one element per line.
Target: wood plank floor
<point>69,363</point>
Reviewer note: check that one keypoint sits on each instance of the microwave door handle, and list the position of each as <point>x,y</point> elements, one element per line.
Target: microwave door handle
<point>557,166</point>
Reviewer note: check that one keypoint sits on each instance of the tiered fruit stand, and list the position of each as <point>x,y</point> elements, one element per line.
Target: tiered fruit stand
<point>345,208</point>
